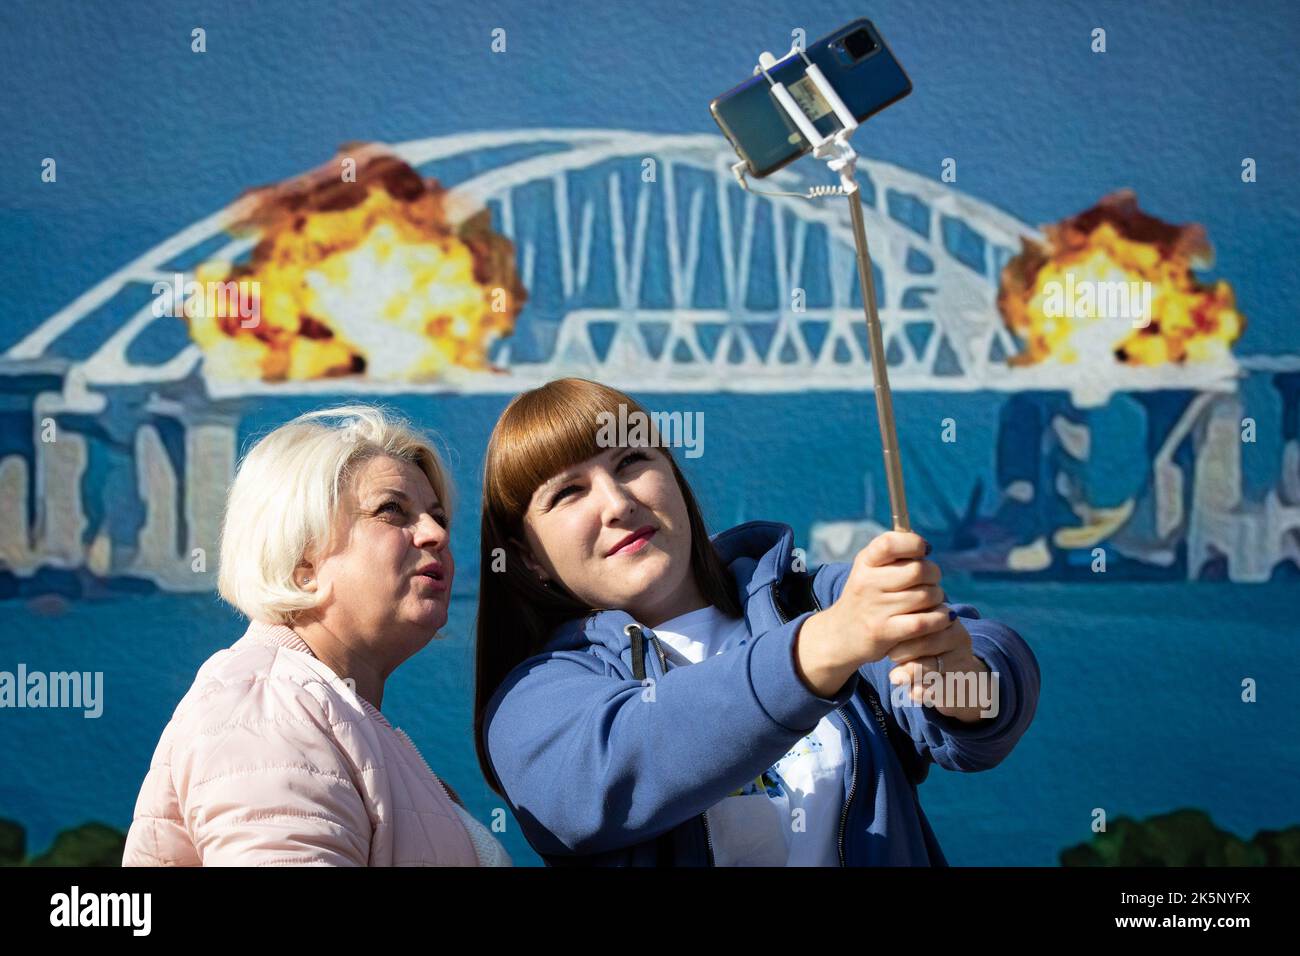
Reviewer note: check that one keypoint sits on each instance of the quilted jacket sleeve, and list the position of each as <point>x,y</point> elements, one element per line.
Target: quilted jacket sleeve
<point>262,779</point>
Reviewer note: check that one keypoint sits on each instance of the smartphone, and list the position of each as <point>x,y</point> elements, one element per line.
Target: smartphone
<point>859,67</point>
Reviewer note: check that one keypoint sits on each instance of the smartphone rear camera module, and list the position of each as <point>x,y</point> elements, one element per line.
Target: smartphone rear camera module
<point>860,43</point>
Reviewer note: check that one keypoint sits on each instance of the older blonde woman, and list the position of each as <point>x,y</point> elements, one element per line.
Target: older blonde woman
<point>335,546</point>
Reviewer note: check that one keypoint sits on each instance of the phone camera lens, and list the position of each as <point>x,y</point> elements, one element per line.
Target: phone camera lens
<point>859,43</point>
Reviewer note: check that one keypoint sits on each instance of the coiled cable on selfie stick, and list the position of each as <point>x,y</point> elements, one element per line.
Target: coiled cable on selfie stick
<point>842,160</point>
<point>813,192</point>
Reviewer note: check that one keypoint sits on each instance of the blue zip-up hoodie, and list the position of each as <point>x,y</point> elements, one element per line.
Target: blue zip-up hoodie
<point>600,768</point>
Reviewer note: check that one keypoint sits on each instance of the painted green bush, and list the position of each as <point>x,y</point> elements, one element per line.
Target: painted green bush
<point>91,844</point>
<point>1183,838</point>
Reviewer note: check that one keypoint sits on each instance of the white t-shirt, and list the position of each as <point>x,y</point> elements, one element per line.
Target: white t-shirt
<point>790,816</point>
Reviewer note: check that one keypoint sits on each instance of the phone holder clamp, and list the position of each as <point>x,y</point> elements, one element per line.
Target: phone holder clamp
<point>833,148</point>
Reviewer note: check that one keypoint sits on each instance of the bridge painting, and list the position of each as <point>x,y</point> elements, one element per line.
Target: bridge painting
<point>118,444</point>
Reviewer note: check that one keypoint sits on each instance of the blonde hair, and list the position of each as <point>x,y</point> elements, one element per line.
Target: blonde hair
<point>282,504</point>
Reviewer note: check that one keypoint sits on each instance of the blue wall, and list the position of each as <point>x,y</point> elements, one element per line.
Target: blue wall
<point>1140,712</point>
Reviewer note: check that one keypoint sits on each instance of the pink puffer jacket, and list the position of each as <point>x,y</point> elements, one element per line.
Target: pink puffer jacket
<point>270,758</point>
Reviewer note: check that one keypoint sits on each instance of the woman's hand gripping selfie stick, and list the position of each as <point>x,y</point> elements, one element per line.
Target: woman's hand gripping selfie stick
<point>842,160</point>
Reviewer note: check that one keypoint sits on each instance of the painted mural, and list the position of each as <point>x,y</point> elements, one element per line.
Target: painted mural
<point>1087,438</point>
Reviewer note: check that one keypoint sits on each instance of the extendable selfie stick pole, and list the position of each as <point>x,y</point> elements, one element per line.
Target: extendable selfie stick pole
<point>842,160</point>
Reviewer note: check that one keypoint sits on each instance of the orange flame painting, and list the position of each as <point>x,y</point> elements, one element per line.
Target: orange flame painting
<point>1115,285</point>
<point>358,270</point>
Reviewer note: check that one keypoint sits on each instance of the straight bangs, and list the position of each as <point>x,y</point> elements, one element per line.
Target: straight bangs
<point>540,434</point>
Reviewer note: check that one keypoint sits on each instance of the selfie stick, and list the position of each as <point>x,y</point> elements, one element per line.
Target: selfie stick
<point>842,160</point>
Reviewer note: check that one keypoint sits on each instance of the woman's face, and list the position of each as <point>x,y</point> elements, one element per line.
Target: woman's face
<point>387,580</point>
<point>614,531</point>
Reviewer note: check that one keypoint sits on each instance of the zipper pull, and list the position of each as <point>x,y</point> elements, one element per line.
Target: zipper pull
<point>638,650</point>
